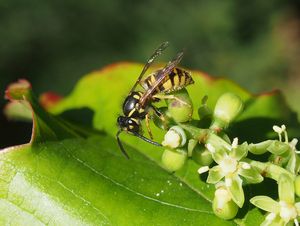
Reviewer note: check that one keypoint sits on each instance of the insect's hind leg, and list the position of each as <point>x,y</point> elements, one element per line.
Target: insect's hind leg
<point>148,126</point>
<point>171,97</point>
<point>160,115</point>
<point>156,111</point>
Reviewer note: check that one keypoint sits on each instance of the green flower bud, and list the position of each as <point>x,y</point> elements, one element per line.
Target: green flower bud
<point>226,110</point>
<point>191,146</point>
<point>223,205</point>
<point>297,185</point>
<point>181,107</point>
<point>204,110</point>
<point>174,138</point>
<point>205,114</point>
<point>202,156</point>
<point>174,160</point>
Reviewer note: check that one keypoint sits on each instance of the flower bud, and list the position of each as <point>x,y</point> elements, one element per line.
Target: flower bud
<point>192,143</point>
<point>174,160</point>
<point>174,138</point>
<point>18,90</point>
<point>181,107</point>
<point>205,114</point>
<point>201,155</point>
<point>226,110</point>
<point>18,110</point>
<point>223,205</point>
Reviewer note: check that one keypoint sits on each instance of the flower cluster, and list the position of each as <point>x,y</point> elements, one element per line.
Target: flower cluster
<point>228,164</point>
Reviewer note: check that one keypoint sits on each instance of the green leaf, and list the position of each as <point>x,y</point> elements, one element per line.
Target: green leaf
<point>78,181</point>
<point>95,103</point>
<point>64,178</point>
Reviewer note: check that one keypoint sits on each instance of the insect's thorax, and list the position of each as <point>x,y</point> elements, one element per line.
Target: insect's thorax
<point>131,107</point>
<point>174,81</point>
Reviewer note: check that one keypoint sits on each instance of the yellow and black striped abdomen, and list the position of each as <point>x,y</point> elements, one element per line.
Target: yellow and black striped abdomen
<point>174,81</point>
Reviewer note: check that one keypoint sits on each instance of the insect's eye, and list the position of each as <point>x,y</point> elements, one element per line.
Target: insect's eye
<point>122,121</point>
<point>119,120</point>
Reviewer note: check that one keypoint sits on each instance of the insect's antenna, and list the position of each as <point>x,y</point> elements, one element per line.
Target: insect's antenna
<point>146,139</point>
<point>156,53</point>
<point>121,145</point>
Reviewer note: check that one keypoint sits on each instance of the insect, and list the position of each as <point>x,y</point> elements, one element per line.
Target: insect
<point>156,86</point>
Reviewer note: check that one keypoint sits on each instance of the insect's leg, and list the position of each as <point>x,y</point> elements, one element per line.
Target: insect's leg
<point>160,115</point>
<point>172,97</point>
<point>121,145</point>
<point>148,126</point>
<point>156,111</point>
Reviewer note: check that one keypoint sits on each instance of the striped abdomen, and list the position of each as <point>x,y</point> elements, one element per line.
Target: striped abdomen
<point>174,81</point>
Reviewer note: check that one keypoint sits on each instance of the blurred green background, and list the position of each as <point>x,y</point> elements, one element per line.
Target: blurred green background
<point>53,43</point>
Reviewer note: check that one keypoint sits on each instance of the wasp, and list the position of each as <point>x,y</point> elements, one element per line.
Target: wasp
<point>156,86</point>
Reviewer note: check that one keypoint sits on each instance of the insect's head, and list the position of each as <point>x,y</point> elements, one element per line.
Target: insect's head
<point>130,105</point>
<point>128,124</point>
<point>132,126</point>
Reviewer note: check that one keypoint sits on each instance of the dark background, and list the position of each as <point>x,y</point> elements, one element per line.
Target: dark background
<point>54,43</point>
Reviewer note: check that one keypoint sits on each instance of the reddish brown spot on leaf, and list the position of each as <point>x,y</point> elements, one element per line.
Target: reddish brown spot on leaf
<point>49,99</point>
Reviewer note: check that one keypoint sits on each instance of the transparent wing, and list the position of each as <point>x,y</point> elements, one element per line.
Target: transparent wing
<point>156,53</point>
<point>161,74</point>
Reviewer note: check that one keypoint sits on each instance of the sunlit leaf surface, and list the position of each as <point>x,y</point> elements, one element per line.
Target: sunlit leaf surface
<point>71,174</point>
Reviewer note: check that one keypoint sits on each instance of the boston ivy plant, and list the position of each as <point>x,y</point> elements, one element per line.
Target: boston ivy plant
<point>219,164</point>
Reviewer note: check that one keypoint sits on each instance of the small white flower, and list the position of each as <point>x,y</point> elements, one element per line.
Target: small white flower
<point>174,138</point>
<point>171,139</point>
<point>287,211</point>
<point>228,165</point>
<point>283,210</point>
